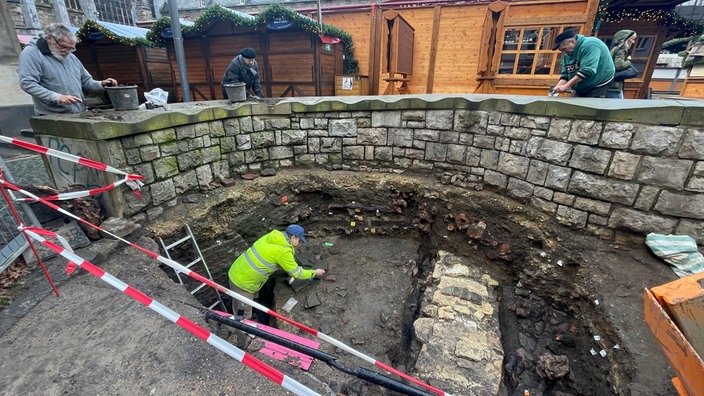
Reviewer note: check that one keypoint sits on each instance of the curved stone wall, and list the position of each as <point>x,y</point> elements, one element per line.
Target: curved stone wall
<point>601,165</point>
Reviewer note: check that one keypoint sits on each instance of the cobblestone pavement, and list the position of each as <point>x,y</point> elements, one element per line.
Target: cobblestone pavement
<point>28,169</point>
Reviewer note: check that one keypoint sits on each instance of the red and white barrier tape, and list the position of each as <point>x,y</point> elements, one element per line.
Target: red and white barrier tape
<point>184,270</point>
<point>193,328</point>
<point>132,180</point>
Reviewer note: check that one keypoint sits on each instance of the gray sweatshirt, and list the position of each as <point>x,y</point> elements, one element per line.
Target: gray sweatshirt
<point>46,78</point>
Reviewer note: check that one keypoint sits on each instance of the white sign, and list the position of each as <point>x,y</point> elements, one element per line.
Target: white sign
<point>347,83</point>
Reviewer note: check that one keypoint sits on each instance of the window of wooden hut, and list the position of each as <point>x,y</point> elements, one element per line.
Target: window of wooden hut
<point>528,50</point>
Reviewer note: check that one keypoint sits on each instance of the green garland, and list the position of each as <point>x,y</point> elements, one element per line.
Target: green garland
<point>217,13</point>
<point>90,26</point>
<point>688,29</point>
<point>685,26</point>
<point>688,60</point>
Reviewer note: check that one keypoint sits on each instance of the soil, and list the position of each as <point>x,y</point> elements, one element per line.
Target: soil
<point>377,235</point>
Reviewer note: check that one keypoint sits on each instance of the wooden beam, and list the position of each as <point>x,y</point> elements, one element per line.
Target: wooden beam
<point>592,9</point>
<point>210,78</point>
<point>545,21</point>
<point>375,42</point>
<point>317,68</point>
<point>433,50</point>
<point>140,51</point>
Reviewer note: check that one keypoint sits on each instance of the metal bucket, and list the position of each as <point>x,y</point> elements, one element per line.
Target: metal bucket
<point>123,97</point>
<point>236,92</point>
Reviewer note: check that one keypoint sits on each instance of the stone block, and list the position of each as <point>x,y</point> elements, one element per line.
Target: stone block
<point>656,139</point>
<point>549,150</point>
<point>590,159</point>
<point>664,172</point>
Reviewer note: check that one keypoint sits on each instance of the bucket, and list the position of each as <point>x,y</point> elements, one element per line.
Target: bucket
<point>236,92</point>
<point>123,97</point>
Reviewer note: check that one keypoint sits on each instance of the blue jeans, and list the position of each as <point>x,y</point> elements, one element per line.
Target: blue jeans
<point>614,94</point>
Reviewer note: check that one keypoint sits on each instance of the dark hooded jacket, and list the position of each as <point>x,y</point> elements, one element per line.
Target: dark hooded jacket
<point>619,53</point>
<point>239,72</point>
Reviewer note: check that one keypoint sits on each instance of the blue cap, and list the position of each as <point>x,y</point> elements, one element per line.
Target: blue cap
<point>295,229</point>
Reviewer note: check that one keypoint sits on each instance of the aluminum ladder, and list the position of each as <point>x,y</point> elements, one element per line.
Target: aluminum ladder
<point>199,259</point>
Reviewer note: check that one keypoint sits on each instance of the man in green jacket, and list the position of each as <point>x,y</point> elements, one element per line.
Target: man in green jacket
<point>587,66</point>
<point>252,268</point>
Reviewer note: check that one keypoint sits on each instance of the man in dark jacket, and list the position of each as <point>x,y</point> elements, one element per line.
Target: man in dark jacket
<point>587,66</point>
<point>244,69</point>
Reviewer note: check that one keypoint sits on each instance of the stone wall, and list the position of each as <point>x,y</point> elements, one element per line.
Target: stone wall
<point>634,165</point>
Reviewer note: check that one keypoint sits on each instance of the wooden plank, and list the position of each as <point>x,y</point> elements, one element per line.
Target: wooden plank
<point>376,49</point>
<point>291,68</point>
<point>160,75</point>
<point>143,71</point>
<point>287,43</point>
<point>281,90</point>
<point>554,12</point>
<point>433,49</point>
<point>156,54</point>
<point>546,21</point>
<point>356,85</point>
<point>360,25</point>
<point>232,45</point>
<point>406,36</point>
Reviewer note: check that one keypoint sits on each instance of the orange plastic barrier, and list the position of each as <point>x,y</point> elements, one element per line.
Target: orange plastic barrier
<point>674,313</point>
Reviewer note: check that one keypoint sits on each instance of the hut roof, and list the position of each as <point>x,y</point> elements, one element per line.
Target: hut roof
<point>694,53</point>
<point>129,35</point>
<point>274,12</point>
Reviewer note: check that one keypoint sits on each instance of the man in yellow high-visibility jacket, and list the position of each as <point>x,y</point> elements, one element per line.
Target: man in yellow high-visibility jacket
<point>252,268</point>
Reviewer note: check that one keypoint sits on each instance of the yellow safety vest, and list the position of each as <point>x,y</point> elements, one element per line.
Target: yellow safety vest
<point>269,253</point>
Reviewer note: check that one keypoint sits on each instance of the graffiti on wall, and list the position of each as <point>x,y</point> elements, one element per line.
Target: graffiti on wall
<point>66,173</point>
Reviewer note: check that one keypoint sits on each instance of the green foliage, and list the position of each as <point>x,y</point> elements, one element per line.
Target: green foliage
<point>671,19</point>
<point>677,45</point>
<point>90,26</point>
<point>217,13</point>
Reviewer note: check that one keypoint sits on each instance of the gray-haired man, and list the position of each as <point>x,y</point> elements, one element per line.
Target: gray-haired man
<point>54,76</point>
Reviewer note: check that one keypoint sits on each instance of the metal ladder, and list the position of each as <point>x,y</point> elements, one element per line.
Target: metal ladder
<point>198,259</point>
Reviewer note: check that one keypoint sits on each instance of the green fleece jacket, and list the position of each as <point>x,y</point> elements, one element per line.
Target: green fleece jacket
<point>269,253</point>
<point>591,61</point>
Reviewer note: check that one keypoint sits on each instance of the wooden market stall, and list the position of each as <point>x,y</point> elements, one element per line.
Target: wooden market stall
<point>123,53</point>
<point>652,21</point>
<point>502,47</point>
<point>295,56</point>
<point>693,86</point>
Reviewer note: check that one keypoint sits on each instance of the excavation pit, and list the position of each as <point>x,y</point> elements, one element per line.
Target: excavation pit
<point>544,308</point>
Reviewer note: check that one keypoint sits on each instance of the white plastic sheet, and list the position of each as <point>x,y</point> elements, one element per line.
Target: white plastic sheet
<point>678,250</point>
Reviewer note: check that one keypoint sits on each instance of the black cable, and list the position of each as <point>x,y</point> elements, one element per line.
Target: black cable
<point>362,373</point>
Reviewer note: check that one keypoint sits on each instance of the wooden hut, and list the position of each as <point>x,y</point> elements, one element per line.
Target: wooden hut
<point>693,86</point>
<point>653,21</point>
<point>123,53</point>
<point>296,55</point>
<point>491,47</point>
